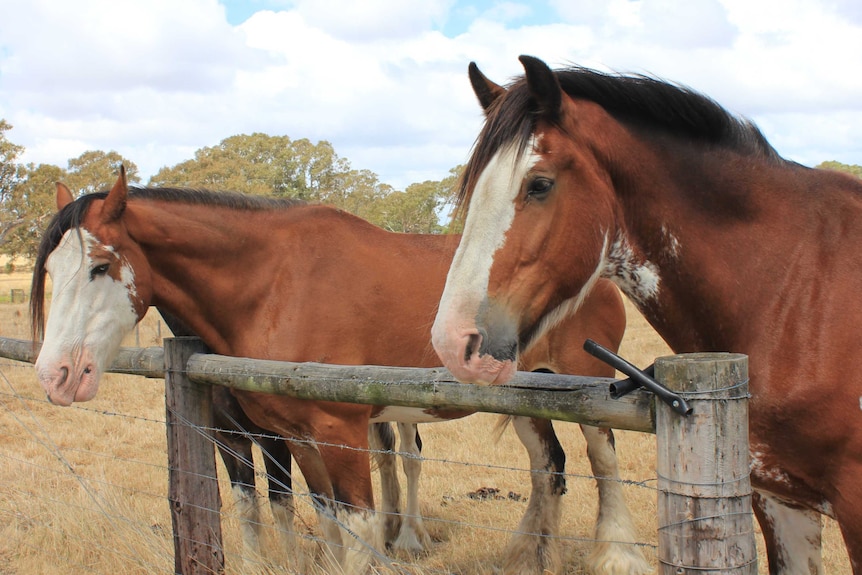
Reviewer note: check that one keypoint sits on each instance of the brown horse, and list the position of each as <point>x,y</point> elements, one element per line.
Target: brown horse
<point>271,279</point>
<point>721,243</point>
<point>236,435</point>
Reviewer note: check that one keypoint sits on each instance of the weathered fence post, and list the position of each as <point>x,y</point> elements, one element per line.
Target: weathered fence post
<point>193,488</point>
<point>704,491</point>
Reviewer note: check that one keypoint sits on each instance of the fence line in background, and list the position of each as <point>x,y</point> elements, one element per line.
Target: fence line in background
<point>572,398</point>
<point>303,496</point>
<point>258,436</point>
<point>689,479</point>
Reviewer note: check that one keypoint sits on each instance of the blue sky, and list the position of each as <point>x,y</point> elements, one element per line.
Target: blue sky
<point>238,11</point>
<point>385,81</point>
<point>457,20</point>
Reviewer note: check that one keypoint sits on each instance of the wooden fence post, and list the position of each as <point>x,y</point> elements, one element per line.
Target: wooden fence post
<point>704,491</point>
<point>193,488</point>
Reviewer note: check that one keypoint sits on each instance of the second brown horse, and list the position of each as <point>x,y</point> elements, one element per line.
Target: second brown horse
<point>280,280</point>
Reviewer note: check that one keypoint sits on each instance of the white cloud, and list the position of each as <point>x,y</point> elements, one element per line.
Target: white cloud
<point>157,80</point>
<point>373,20</point>
<point>685,24</point>
<point>507,12</point>
<point>118,45</point>
<point>587,11</point>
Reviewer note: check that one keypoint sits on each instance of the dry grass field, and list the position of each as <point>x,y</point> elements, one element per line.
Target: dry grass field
<point>84,488</point>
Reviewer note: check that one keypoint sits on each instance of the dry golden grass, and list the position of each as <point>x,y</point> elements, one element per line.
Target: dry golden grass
<point>84,488</point>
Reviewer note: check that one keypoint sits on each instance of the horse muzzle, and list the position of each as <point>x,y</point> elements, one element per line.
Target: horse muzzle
<point>470,360</point>
<point>67,382</point>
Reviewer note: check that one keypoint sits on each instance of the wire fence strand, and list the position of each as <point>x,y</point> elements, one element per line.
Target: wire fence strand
<point>34,435</point>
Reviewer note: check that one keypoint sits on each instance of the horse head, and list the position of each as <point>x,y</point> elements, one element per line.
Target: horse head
<point>96,296</point>
<point>511,279</point>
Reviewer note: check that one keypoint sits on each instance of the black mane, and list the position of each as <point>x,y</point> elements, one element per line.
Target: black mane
<point>672,107</point>
<point>71,217</point>
<point>635,100</point>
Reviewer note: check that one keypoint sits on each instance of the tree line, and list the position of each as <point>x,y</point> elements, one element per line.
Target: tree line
<point>256,163</point>
<point>250,163</point>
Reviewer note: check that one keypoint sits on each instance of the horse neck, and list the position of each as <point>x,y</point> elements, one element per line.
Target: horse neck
<point>712,226</point>
<point>197,257</point>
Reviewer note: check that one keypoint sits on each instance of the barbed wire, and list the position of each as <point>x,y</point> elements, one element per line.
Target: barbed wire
<point>103,482</point>
<point>19,542</point>
<point>308,441</point>
<point>40,437</point>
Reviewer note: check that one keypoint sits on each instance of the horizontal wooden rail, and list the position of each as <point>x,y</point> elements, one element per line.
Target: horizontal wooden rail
<point>702,465</point>
<point>18,349</point>
<point>566,398</point>
<point>577,399</point>
<point>143,361</point>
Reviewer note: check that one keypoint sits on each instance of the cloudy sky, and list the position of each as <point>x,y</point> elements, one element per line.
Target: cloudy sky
<point>385,81</point>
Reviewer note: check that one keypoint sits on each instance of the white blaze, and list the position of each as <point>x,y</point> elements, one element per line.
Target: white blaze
<point>88,317</point>
<point>489,217</point>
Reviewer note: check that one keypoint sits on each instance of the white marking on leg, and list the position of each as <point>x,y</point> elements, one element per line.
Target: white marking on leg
<point>614,551</point>
<point>390,490</point>
<point>283,514</point>
<point>534,548</point>
<point>413,537</point>
<point>361,539</point>
<point>333,549</point>
<point>797,536</point>
<point>248,509</point>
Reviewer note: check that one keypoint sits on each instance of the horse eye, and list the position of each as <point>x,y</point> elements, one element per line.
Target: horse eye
<point>99,270</point>
<point>539,188</point>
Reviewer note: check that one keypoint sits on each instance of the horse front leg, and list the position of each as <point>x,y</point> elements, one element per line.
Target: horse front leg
<point>235,447</point>
<point>413,537</point>
<point>235,451</point>
<point>615,551</point>
<point>335,461</point>
<point>533,549</point>
<point>381,438</point>
<point>329,442</point>
<point>344,452</point>
<point>276,457</point>
<point>792,535</point>
<point>307,454</point>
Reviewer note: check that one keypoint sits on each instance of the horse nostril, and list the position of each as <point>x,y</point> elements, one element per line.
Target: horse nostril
<point>65,372</point>
<point>473,342</point>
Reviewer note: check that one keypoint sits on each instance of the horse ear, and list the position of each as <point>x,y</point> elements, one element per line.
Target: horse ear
<point>486,91</point>
<point>64,196</point>
<point>115,202</point>
<point>543,85</point>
